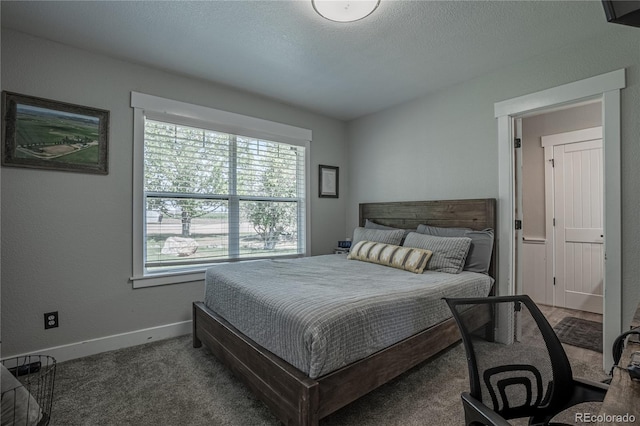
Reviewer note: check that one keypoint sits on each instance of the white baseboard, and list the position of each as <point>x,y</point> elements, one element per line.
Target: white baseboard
<point>117,341</point>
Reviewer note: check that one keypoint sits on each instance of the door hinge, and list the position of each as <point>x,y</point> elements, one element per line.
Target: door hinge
<point>518,224</point>
<point>554,221</point>
<point>554,280</point>
<point>517,143</point>
<point>553,162</point>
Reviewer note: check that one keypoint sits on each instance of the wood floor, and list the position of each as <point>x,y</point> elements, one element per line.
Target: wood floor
<point>575,354</point>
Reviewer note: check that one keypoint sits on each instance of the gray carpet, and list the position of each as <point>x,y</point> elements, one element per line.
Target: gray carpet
<point>580,332</point>
<point>170,383</point>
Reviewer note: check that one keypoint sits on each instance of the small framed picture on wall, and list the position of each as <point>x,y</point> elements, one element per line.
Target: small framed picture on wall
<point>328,181</point>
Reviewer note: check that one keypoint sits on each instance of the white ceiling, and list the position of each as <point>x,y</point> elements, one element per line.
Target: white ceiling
<point>284,50</point>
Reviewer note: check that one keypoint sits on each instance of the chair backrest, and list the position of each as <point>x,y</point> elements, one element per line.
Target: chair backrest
<point>517,365</point>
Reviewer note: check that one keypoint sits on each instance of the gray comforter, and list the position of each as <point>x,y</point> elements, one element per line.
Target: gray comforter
<point>324,312</point>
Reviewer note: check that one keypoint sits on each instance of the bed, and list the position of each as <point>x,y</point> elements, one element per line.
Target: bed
<point>302,390</point>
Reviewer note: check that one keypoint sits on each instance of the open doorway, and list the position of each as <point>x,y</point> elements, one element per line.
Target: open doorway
<point>562,207</point>
<point>606,89</point>
<point>562,254</point>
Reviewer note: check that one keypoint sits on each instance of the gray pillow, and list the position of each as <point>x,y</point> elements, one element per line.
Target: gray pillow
<point>442,232</point>
<point>377,235</point>
<point>369,224</point>
<point>449,253</point>
<point>479,256</point>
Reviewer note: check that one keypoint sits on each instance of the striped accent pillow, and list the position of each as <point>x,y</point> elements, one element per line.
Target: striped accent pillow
<point>406,258</point>
<point>449,253</point>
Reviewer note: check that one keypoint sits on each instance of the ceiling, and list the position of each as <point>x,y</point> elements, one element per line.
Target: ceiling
<point>285,51</point>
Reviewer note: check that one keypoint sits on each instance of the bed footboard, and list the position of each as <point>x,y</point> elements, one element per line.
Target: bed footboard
<point>297,399</point>
<point>289,394</point>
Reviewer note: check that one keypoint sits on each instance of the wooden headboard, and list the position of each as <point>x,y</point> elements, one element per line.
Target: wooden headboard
<point>475,214</point>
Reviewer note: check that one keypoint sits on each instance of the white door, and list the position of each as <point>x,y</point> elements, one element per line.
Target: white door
<point>578,213</point>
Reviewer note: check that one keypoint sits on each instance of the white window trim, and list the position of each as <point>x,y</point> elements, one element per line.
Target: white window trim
<point>223,121</point>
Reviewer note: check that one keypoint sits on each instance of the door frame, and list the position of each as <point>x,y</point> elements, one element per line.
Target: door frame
<point>548,144</point>
<point>605,87</point>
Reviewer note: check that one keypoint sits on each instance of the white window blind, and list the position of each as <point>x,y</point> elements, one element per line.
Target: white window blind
<point>213,186</point>
<point>212,196</point>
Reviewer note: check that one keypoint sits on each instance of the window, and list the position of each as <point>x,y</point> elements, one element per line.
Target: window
<point>211,188</point>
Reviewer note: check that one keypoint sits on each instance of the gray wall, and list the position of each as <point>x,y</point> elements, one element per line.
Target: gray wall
<point>533,128</point>
<point>66,237</point>
<point>444,146</point>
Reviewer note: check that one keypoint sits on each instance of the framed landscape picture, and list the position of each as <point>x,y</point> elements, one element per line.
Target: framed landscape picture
<point>45,134</point>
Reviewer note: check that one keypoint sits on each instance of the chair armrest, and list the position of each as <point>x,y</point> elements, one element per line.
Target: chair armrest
<point>592,391</point>
<point>597,386</point>
<point>478,413</point>
<point>587,391</point>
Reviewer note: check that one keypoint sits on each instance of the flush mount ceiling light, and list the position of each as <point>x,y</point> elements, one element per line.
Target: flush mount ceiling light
<point>345,10</point>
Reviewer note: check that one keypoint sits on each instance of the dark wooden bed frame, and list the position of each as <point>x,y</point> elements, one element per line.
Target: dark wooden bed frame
<point>297,399</point>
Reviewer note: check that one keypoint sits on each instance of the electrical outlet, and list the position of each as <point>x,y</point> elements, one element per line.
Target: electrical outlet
<point>51,320</point>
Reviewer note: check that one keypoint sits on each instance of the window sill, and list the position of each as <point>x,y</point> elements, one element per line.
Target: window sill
<point>167,278</point>
<point>181,277</point>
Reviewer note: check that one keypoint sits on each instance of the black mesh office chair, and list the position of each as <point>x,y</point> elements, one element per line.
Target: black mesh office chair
<point>517,365</point>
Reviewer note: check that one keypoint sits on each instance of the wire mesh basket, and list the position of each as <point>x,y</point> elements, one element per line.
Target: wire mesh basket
<point>27,390</point>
